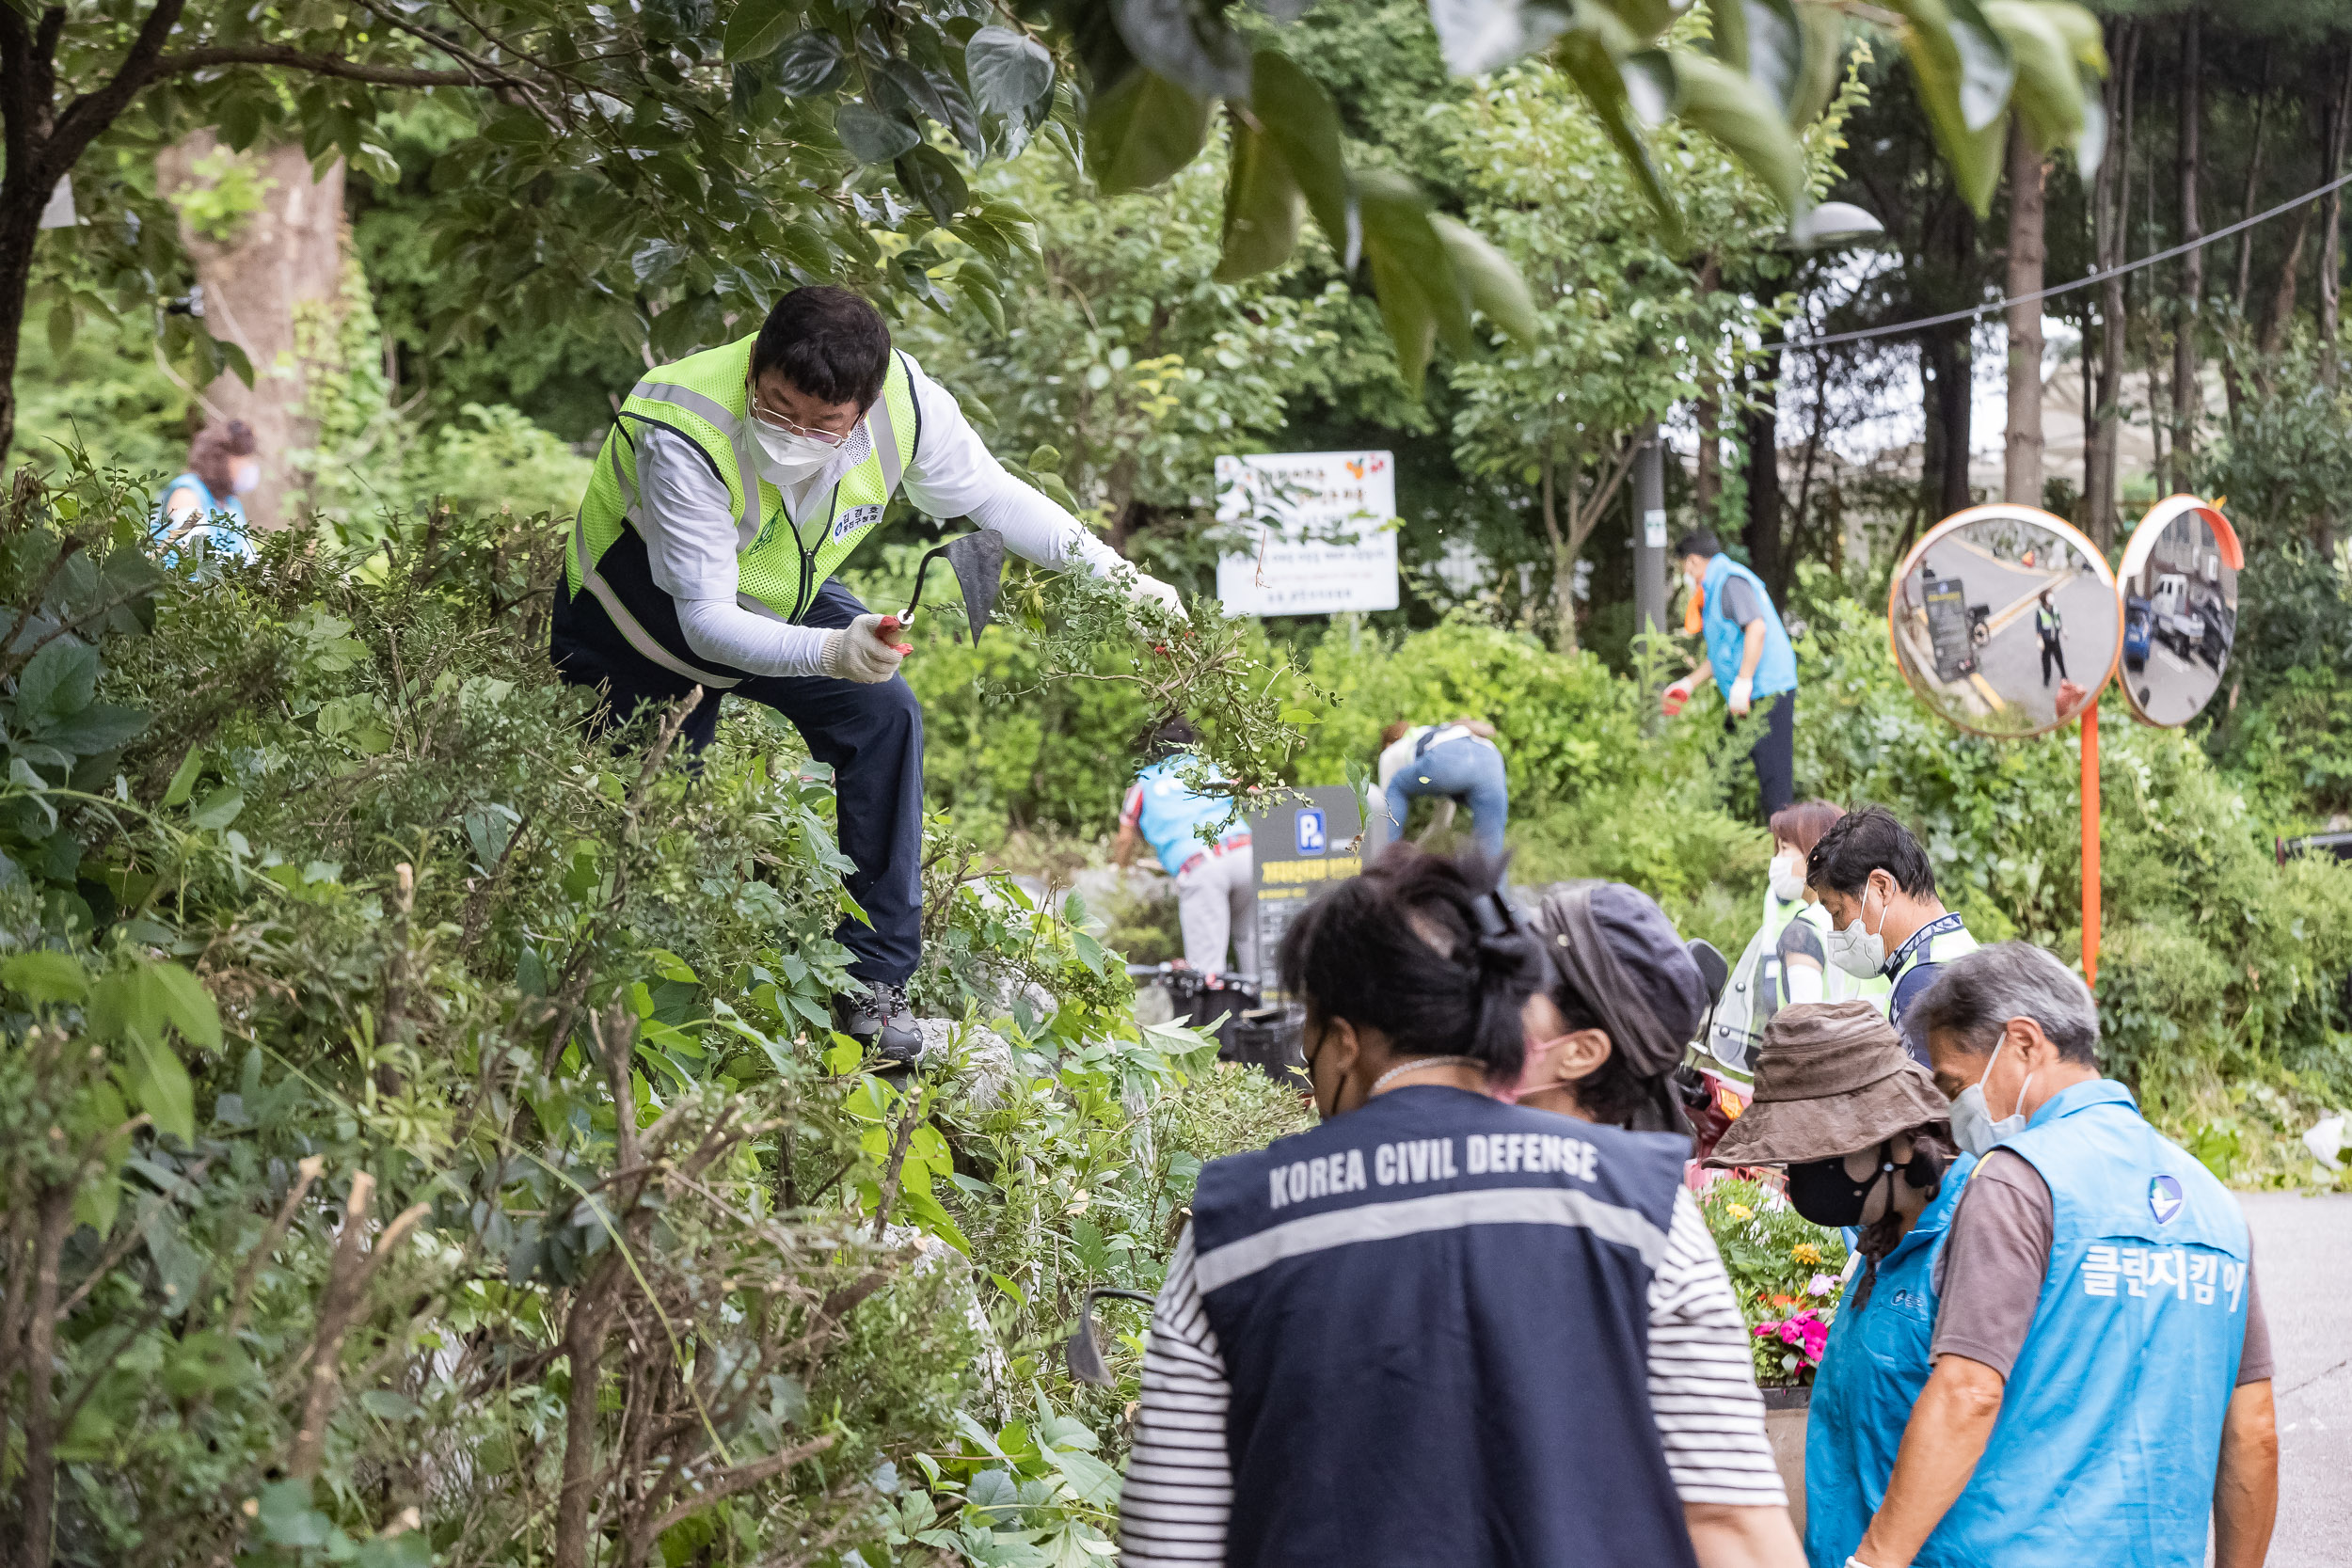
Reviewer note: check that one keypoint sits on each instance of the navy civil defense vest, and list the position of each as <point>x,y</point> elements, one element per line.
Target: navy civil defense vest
<point>1433,1314</point>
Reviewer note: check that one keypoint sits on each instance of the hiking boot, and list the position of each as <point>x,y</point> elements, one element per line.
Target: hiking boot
<point>880,1020</point>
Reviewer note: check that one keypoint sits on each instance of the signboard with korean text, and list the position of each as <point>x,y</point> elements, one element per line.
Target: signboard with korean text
<point>1315,528</point>
<point>1301,847</point>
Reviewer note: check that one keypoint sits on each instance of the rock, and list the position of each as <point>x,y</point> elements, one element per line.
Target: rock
<point>988,1060</point>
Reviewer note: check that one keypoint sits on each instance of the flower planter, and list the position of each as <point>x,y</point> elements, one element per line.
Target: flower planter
<point>1785,1411</point>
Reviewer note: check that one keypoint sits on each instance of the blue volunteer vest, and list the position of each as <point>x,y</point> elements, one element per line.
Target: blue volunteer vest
<point>1171,813</point>
<point>224,526</point>
<point>2111,1429</point>
<point>1776,671</point>
<point>1434,1315</point>
<point>1872,1373</point>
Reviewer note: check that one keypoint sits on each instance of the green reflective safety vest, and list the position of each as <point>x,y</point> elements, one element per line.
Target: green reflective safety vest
<point>781,561</point>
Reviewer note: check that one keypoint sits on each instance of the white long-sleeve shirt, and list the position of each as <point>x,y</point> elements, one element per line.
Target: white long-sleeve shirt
<point>1179,1492</point>
<point>689,526</point>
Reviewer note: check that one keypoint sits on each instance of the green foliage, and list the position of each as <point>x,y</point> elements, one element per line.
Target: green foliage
<point>489,1126</point>
<point>1783,1267</point>
<point>224,192</point>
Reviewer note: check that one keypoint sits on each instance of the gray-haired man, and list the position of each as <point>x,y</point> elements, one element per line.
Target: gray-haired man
<point>2102,1371</point>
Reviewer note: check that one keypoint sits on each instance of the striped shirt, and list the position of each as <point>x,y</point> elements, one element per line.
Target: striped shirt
<point>1702,1388</point>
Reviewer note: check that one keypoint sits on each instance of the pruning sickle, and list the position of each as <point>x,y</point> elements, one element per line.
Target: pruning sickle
<point>979,562</point>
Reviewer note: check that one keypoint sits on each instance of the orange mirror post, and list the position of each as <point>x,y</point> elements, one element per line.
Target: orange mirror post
<point>2091,841</point>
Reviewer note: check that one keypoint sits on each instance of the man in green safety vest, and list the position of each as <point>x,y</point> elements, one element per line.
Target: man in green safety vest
<point>731,487</point>
<point>1887,923</point>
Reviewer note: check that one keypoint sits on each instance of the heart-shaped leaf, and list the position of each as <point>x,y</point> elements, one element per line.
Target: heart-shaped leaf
<point>1303,124</point>
<point>1010,71</point>
<point>932,178</point>
<point>1186,45</point>
<point>1143,129</point>
<point>756,26</point>
<point>809,63</point>
<point>871,137</point>
<point>1263,208</point>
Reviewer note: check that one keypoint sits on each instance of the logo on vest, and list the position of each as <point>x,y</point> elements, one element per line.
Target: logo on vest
<point>2165,1199</point>
<point>854,518</point>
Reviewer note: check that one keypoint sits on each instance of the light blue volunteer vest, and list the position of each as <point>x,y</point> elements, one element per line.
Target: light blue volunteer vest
<point>2110,1427</point>
<point>1872,1373</point>
<point>233,537</point>
<point>1171,813</point>
<point>1776,671</point>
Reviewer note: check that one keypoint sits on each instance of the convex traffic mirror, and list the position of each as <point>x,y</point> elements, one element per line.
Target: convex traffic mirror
<point>2004,620</point>
<point>2179,582</point>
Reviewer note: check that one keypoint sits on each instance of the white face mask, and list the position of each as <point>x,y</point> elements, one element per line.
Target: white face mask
<point>1973,1127</point>
<point>791,457</point>
<point>1858,952</point>
<point>1788,877</point>
<point>244,477</point>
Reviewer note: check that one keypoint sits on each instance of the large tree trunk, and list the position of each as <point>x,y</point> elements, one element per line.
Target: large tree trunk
<point>2280,314</point>
<point>1706,481</point>
<point>2184,382</point>
<point>272,288</point>
<point>1761,426</point>
<point>2331,229</point>
<point>2112,202</point>
<point>2021,473</point>
<point>2253,190</point>
<point>1944,351</point>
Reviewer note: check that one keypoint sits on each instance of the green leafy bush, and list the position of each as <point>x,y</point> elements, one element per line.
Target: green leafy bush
<point>1784,1269</point>
<point>422,1115</point>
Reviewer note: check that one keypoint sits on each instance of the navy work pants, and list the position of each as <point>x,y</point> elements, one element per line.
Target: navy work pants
<point>1775,754</point>
<point>871,736</point>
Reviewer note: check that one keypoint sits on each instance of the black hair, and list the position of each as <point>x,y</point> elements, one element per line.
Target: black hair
<point>1612,1093</point>
<point>1169,737</point>
<point>1864,841</point>
<point>1698,541</point>
<point>829,342</point>
<point>1422,948</point>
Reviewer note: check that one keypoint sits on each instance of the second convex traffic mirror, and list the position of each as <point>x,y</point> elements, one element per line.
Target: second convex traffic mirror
<point>2179,580</point>
<point>2004,619</point>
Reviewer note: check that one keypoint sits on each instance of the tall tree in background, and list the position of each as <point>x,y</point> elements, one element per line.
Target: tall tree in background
<point>2186,392</point>
<point>2021,445</point>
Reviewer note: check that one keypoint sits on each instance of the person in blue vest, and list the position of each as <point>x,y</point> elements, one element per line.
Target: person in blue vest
<point>1429,1330</point>
<point>2101,1387</point>
<point>1888,927</point>
<point>1749,655</point>
<point>1214,875</point>
<point>1866,1139</point>
<point>206,501</point>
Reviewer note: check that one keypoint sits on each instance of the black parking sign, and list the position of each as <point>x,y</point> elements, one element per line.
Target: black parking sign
<point>1301,847</point>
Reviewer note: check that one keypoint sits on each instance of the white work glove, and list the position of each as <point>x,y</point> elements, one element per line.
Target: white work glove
<point>1151,590</point>
<point>1743,694</point>
<point>861,653</point>
<point>1675,696</point>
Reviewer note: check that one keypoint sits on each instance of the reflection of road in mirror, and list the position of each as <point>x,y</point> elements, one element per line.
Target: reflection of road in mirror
<point>1988,619</point>
<point>2180,621</point>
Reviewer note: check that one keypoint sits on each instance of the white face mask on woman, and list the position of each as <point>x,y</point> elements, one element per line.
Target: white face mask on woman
<point>1859,952</point>
<point>1788,876</point>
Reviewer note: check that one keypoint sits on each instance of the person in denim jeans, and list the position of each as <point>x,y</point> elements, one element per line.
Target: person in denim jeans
<point>1456,762</point>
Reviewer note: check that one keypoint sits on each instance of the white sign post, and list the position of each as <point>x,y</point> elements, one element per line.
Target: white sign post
<point>1317,527</point>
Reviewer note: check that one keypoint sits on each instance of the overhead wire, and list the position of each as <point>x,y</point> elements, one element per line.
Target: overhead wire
<point>1979,312</point>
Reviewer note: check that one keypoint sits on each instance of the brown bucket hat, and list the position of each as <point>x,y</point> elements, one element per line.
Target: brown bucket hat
<point>1831,1078</point>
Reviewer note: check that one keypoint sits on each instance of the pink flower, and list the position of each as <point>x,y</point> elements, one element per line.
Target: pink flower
<point>1820,1285</point>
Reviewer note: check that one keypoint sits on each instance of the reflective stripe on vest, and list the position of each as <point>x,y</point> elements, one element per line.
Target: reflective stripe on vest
<point>1433,1317</point>
<point>2109,1432</point>
<point>781,561</point>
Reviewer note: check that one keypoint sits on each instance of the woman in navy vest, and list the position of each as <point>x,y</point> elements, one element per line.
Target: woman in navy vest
<point>1425,1332</point>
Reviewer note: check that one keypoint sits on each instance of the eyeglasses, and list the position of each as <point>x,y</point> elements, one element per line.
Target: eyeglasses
<point>775,422</point>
